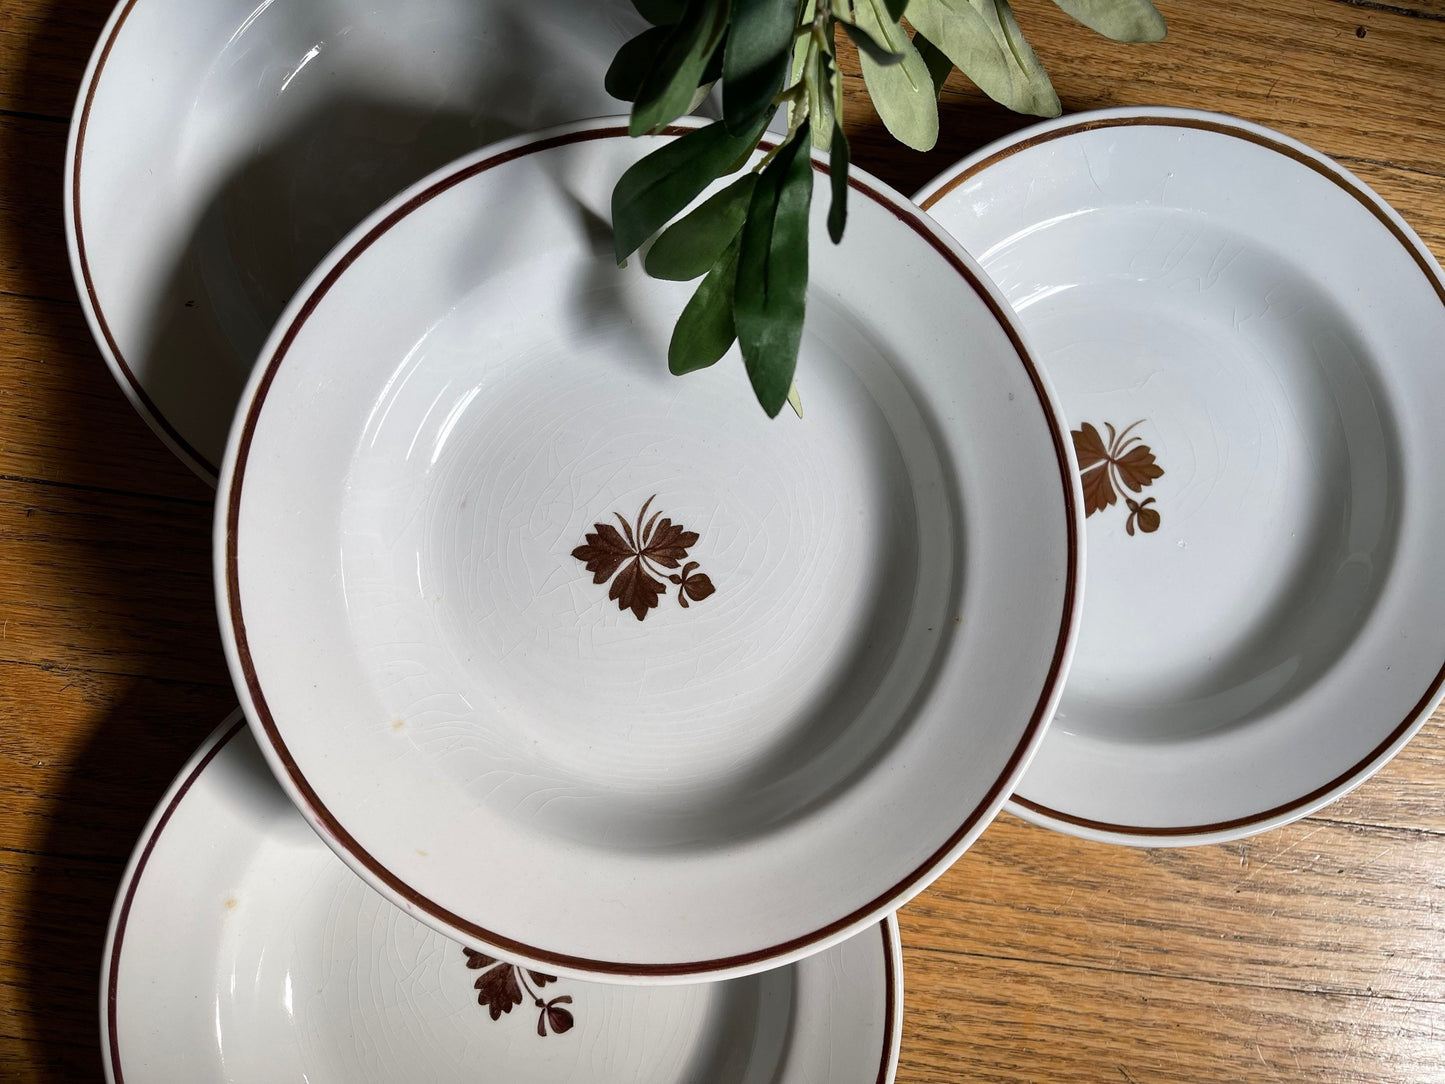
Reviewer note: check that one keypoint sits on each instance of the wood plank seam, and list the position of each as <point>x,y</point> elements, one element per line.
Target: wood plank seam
<point>931,950</point>
<point>45,298</point>
<point>174,683</point>
<point>1350,159</point>
<point>1405,830</point>
<point>21,114</point>
<point>1391,9</point>
<point>107,863</point>
<point>79,487</point>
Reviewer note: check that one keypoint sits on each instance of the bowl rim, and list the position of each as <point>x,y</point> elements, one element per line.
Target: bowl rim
<point>80,271</point>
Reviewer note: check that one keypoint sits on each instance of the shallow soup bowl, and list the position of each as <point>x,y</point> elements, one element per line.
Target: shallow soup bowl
<point>1246,342</point>
<point>599,668</point>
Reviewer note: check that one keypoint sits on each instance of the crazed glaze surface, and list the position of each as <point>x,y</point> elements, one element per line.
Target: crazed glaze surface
<point>243,950</point>
<point>1265,642</point>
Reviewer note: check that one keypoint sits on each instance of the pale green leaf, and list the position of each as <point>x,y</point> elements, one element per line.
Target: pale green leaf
<point>795,399</point>
<point>819,83</point>
<point>902,93</point>
<point>868,46</point>
<point>1122,20</point>
<point>983,39</point>
<point>801,48</point>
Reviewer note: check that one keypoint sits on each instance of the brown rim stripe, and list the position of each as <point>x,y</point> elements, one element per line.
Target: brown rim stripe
<point>889,1003</point>
<point>1376,207</point>
<point>152,414</point>
<point>113,979</point>
<point>112,986</point>
<point>921,225</point>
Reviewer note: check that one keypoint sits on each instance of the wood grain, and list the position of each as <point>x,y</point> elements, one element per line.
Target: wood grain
<point>980,1020</point>
<point>1312,953</point>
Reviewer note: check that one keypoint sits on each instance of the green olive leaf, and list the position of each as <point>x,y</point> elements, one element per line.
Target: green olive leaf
<point>795,399</point>
<point>939,66</point>
<point>705,329</point>
<point>657,187</point>
<point>661,12</point>
<point>802,46</point>
<point>819,82</point>
<point>838,175</point>
<point>772,280</point>
<point>983,39</point>
<point>667,90</point>
<point>1122,20</point>
<point>760,41</point>
<point>903,92</point>
<point>875,52</point>
<point>633,61</point>
<point>692,244</point>
<point>712,72</point>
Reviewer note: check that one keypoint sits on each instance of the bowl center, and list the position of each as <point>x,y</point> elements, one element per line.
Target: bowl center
<point>1242,467</point>
<point>768,606</point>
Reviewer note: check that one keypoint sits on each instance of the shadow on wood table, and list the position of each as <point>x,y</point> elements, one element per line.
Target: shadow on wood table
<point>112,670</point>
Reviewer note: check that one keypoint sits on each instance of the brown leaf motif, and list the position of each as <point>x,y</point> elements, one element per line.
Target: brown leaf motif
<point>692,585</point>
<point>1107,467</point>
<point>500,987</point>
<point>641,550</point>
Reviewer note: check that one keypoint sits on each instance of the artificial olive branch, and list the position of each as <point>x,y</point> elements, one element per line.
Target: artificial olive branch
<point>749,242</point>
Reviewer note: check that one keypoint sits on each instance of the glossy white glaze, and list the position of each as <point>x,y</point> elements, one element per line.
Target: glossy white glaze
<point>242,950</point>
<point>228,144</point>
<point>1271,325</point>
<point>711,789</point>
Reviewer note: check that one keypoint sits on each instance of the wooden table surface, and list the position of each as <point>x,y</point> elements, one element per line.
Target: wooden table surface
<point>1313,952</point>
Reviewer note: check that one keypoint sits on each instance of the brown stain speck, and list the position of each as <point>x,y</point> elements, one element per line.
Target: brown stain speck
<point>398,723</point>
<point>231,903</point>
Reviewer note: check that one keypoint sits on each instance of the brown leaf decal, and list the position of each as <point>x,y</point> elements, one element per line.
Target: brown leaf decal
<point>1089,447</point>
<point>669,544</point>
<point>560,1020</point>
<point>1121,462</point>
<point>693,585</point>
<point>477,959</point>
<point>635,590</point>
<point>1146,517</point>
<point>1136,467</point>
<point>640,551</point>
<point>1098,490</point>
<point>500,988</point>
<point>604,552</point>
